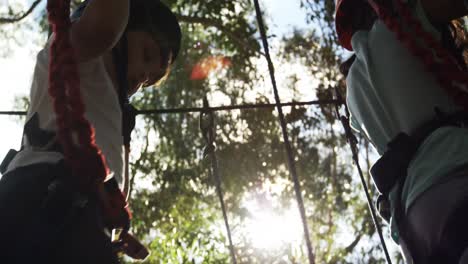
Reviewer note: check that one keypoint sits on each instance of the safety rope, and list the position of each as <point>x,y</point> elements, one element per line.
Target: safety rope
<point>352,142</point>
<point>75,133</point>
<point>13,113</point>
<point>201,109</point>
<point>208,130</point>
<point>287,144</point>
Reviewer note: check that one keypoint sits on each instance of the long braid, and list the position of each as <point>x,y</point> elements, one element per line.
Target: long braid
<point>64,88</point>
<point>445,68</point>
<point>448,60</point>
<point>75,133</point>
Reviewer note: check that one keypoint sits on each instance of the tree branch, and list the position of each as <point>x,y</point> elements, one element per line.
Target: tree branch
<point>213,23</point>
<point>14,19</point>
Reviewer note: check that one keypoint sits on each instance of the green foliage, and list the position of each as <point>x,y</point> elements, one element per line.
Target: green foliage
<point>176,210</point>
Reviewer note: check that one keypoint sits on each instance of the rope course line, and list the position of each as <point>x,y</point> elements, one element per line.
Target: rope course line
<point>207,128</point>
<point>13,113</point>
<point>287,144</point>
<point>352,142</point>
<point>208,131</point>
<point>215,108</point>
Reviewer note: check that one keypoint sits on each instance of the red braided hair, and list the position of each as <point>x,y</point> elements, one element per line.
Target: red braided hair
<point>75,133</point>
<point>436,59</point>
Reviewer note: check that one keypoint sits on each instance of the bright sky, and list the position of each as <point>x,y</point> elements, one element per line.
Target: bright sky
<point>15,78</point>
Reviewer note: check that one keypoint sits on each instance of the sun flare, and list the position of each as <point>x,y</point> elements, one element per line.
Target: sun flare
<point>270,229</point>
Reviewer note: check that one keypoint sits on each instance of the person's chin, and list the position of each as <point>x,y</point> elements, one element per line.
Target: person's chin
<point>132,90</point>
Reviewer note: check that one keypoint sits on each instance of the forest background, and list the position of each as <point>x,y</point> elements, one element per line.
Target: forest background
<point>176,210</point>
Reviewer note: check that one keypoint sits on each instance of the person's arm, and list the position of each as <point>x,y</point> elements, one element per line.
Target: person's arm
<point>443,11</point>
<point>99,28</point>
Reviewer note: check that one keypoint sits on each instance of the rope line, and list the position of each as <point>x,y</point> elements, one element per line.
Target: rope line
<point>13,113</point>
<point>352,142</point>
<point>215,108</point>
<point>234,107</point>
<point>207,128</point>
<point>287,144</point>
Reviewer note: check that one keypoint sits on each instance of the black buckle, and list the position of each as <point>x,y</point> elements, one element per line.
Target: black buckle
<point>394,163</point>
<point>383,207</point>
<point>6,161</point>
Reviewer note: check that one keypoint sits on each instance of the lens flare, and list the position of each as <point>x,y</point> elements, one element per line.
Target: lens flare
<point>270,228</point>
<point>208,65</point>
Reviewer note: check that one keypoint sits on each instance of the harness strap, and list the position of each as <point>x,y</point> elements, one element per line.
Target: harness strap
<point>392,166</point>
<point>134,249</point>
<point>390,170</point>
<point>129,112</point>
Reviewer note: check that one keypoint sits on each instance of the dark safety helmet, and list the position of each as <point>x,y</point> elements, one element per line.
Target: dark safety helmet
<point>343,24</point>
<point>153,17</point>
<point>345,10</point>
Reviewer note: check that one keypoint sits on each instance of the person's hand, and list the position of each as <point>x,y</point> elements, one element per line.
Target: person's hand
<point>130,246</point>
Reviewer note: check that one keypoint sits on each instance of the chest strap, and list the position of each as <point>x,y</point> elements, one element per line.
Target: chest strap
<point>392,166</point>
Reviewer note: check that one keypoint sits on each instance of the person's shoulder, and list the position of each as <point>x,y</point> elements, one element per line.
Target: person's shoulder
<point>89,66</point>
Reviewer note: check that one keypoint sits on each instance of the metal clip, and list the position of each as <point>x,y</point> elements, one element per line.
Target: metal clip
<point>207,128</point>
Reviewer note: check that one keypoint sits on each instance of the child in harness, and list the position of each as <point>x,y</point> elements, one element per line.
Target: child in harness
<point>407,87</point>
<point>120,46</point>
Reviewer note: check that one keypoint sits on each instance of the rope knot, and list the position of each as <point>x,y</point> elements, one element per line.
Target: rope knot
<point>207,124</point>
<point>208,150</point>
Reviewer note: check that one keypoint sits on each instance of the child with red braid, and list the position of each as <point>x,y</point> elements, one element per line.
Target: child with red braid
<point>407,90</point>
<point>120,46</point>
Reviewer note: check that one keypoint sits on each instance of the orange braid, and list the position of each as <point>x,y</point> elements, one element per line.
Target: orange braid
<point>450,76</point>
<point>75,133</point>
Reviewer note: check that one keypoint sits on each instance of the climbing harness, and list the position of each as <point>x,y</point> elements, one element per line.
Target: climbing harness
<point>390,170</point>
<point>392,166</point>
<point>120,55</point>
<point>208,129</point>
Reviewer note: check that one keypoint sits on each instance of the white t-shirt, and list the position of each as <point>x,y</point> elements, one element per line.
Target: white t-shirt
<point>389,91</point>
<point>102,110</point>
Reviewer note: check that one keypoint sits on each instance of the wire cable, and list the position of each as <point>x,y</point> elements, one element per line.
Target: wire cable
<point>216,108</point>
<point>207,127</point>
<point>352,142</point>
<point>287,144</point>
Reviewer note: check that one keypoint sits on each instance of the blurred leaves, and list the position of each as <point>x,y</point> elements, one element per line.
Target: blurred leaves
<point>176,211</point>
